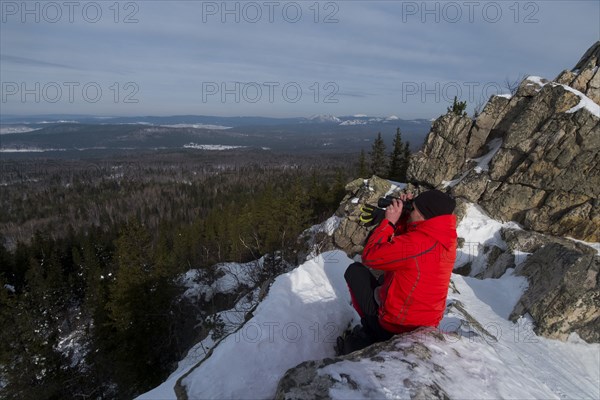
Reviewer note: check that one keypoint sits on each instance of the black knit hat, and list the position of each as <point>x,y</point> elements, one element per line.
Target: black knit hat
<point>433,203</point>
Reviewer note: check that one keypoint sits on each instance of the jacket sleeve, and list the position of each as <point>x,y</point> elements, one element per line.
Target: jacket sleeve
<point>387,252</point>
<point>402,224</point>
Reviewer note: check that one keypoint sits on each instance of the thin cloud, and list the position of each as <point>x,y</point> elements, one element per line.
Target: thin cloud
<point>371,53</point>
<point>33,63</point>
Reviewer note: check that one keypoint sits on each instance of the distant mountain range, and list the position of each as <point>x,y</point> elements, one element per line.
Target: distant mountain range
<point>358,119</point>
<point>89,135</point>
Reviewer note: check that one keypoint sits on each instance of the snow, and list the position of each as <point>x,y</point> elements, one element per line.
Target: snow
<point>396,186</point>
<point>506,95</point>
<point>232,276</point>
<point>7,130</point>
<point>526,361</point>
<point>352,122</point>
<point>26,150</point>
<point>537,80</point>
<point>517,364</point>
<point>198,126</point>
<point>584,102</point>
<point>325,118</point>
<point>329,226</point>
<point>501,294</point>
<point>307,308</point>
<point>478,230</point>
<point>299,320</point>
<point>210,146</point>
<point>232,320</point>
<point>483,162</point>
<point>593,245</point>
<point>60,121</point>
<point>362,119</point>
<point>73,346</point>
<point>454,182</point>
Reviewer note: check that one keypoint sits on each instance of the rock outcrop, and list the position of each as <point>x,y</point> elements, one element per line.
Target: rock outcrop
<point>313,380</point>
<point>533,157</point>
<point>563,294</point>
<point>351,234</point>
<point>419,365</point>
<point>585,77</point>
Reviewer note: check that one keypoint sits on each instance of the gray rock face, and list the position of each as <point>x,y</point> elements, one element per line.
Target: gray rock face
<point>564,292</point>
<point>530,242</point>
<point>564,288</point>
<point>351,234</point>
<point>545,173</point>
<point>311,380</point>
<point>585,77</point>
<point>443,153</point>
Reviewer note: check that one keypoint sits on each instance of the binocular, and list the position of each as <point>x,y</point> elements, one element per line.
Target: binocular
<point>371,215</point>
<point>383,202</point>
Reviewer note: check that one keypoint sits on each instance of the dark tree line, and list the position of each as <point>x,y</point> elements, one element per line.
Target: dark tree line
<point>93,309</point>
<point>391,166</point>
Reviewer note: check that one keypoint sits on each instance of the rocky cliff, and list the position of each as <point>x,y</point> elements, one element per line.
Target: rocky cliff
<point>533,157</point>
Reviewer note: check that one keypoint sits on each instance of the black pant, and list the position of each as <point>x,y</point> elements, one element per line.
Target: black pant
<point>362,286</point>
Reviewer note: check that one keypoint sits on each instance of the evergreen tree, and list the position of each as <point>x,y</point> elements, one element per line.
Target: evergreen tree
<point>339,189</point>
<point>117,282</point>
<point>458,107</point>
<point>397,171</point>
<point>294,215</point>
<point>362,165</point>
<point>378,158</point>
<point>405,159</point>
<point>139,306</point>
<point>29,359</point>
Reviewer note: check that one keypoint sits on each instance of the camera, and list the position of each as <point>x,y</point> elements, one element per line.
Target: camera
<point>383,202</point>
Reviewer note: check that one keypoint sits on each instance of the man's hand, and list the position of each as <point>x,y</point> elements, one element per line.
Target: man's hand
<point>394,211</point>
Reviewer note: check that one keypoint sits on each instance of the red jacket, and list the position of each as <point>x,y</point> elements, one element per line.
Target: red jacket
<point>418,259</point>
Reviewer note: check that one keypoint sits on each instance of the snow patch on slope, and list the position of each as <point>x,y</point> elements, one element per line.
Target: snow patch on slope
<point>585,102</point>
<point>483,163</point>
<point>230,277</point>
<point>479,231</point>
<point>299,320</point>
<point>232,319</point>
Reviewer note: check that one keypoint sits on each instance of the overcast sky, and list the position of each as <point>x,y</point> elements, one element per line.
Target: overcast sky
<point>280,58</point>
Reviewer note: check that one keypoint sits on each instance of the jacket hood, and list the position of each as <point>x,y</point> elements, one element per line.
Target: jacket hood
<point>442,228</point>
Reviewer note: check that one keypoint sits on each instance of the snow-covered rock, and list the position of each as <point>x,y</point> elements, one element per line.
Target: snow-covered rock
<point>474,354</point>
<point>531,158</point>
<point>283,346</point>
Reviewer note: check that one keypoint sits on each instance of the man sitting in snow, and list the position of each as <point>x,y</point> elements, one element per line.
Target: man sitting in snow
<point>416,254</point>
